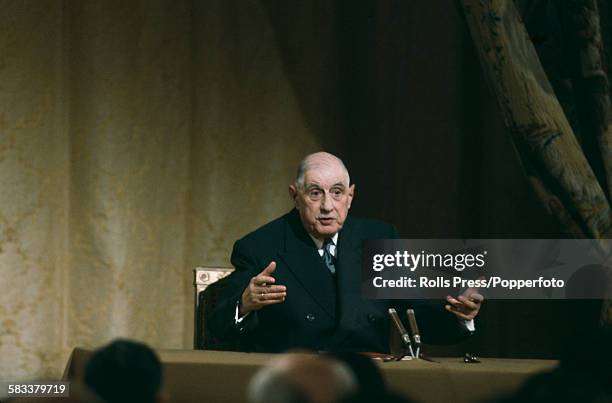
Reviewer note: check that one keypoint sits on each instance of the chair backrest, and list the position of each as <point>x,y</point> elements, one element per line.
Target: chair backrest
<point>203,278</point>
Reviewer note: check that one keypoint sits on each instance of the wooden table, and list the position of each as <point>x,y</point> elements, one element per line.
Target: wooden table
<point>219,376</point>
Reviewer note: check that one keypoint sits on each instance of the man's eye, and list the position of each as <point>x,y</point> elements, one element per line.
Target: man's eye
<point>315,193</point>
<point>337,193</point>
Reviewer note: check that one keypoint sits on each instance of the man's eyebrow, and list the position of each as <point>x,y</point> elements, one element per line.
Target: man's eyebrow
<point>316,185</point>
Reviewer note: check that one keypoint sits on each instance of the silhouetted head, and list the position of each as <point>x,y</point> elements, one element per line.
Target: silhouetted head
<point>301,378</point>
<point>124,371</point>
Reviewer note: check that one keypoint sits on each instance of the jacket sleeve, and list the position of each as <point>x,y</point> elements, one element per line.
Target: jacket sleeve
<point>222,320</point>
<point>436,325</point>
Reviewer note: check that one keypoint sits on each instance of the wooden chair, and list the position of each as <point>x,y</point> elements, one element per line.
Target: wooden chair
<point>205,300</point>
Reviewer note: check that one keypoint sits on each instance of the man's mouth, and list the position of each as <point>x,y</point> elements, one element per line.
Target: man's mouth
<point>325,220</point>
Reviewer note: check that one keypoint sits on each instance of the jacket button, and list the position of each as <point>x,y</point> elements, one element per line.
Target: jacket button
<point>371,318</point>
<point>310,317</point>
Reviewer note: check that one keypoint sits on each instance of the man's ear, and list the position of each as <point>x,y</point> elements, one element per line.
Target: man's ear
<point>351,194</point>
<point>293,193</point>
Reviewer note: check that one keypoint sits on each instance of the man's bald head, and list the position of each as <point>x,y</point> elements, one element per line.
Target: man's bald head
<point>319,160</point>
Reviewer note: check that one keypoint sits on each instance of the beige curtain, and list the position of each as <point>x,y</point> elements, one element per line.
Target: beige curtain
<point>137,140</point>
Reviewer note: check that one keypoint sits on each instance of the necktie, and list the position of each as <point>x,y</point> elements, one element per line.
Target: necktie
<point>328,257</point>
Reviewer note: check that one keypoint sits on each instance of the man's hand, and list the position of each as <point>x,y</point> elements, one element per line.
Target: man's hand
<point>465,306</point>
<point>261,292</point>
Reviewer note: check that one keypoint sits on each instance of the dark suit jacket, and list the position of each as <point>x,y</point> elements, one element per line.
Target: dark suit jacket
<point>320,312</point>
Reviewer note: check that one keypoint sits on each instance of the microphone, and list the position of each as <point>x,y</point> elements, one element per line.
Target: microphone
<point>414,329</point>
<point>399,326</point>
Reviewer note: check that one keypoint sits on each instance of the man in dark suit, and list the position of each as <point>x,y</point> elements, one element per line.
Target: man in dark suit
<point>297,278</point>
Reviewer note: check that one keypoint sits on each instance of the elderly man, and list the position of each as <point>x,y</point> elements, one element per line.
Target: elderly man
<point>297,278</point>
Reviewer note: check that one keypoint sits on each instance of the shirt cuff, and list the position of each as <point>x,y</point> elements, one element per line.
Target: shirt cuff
<point>469,325</point>
<point>238,319</point>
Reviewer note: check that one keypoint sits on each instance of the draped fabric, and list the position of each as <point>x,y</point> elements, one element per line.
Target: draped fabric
<point>549,150</point>
<point>137,140</point>
<point>569,39</point>
<point>572,39</point>
<point>567,161</point>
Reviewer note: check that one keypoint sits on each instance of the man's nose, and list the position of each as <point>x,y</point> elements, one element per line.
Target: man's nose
<point>326,203</point>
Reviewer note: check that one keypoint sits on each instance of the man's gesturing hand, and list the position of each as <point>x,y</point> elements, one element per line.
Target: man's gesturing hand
<point>261,291</point>
<point>467,305</point>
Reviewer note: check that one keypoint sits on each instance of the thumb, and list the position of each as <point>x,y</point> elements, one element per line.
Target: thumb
<point>269,269</point>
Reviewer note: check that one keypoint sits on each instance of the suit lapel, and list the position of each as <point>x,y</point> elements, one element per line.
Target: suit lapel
<point>304,262</point>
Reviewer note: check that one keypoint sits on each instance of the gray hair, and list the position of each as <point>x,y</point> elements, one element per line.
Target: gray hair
<point>272,384</point>
<point>306,164</point>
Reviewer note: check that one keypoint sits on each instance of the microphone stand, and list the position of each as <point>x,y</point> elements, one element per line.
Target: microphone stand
<point>414,329</point>
<point>404,336</point>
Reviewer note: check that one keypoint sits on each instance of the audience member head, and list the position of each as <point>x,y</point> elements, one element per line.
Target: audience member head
<point>559,386</point>
<point>367,374</point>
<point>371,385</point>
<point>584,374</point>
<point>301,378</point>
<point>124,371</point>
<point>384,397</point>
<point>591,356</point>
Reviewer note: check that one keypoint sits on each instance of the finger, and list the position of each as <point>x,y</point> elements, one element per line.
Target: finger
<point>468,303</point>
<point>269,269</point>
<point>273,288</point>
<point>468,308</point>
<point>458,308</point>
<point>458,313</point>
<point>272,302</point>
<point>453,301</point>
<point>476,297</point>
<point>263,280</point>
<point>272,296</point>
<point>464,316</point>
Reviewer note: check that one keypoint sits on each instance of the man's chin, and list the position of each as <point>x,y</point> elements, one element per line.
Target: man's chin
<point>326,230</point>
